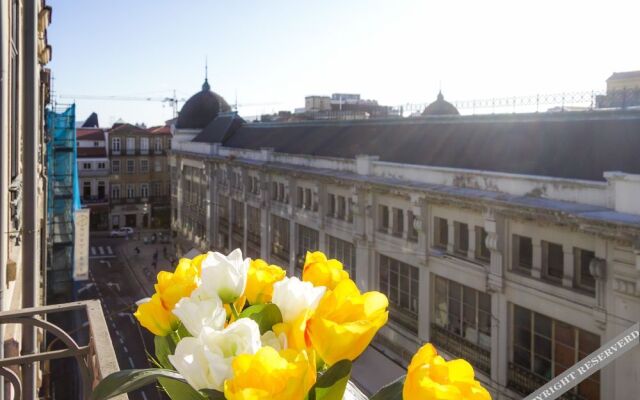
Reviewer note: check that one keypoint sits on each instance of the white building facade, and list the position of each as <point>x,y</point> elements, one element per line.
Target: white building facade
<point>521,275</point>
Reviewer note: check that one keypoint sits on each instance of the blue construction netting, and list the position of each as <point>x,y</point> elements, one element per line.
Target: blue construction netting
<point>63,197</point>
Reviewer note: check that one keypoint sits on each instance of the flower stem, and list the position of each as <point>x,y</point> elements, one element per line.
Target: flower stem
<point>234,311</point>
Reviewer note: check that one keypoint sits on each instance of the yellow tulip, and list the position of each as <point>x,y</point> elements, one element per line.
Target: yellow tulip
<point>322,272</point>
<point>346,321</point>
<point>172,286</point>
<point>287,375</point>
<point>260,280</point>
<point>429,376</point>
<point>155,317</point>
<point>197,262</point>
<point>295,331</point>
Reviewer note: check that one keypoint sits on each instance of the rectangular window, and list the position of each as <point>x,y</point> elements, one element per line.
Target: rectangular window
<point>157,165</point>
<point>307,241</point>
<point>342,207</point>
<point>307,199</point>
<point>398,222</point>
<point>131,191</point>
<point>131,166</point>
<point>583,277</point>
<point>331,204</point>
<point>223,212</point>
<point>102,165</point>
<point>542,348</point>
<point>280,239</point>
<point>461,243</point>
<point>144,190</point>
<point>144,166</point>
<point>522,252</point>
<point>131,145</point>
<point>440,233</point>
<point>383,218</point>
<point>274,191</point>
<point>552,260</point>
<point>461,322</point>
<point>115,166</point>
<point>400,283</point>
<point>144,145</point>
<point>482,252</point>
<point>86,165</point>
<point>253,225</point>
<point>300,197</point>
<point>344,252</point>
<point>115,145</point>
<point>158,145</point>
<point>86,190</point>
<point>237,216</point>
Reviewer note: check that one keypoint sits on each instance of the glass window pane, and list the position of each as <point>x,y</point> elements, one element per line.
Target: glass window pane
<point>542,325</point>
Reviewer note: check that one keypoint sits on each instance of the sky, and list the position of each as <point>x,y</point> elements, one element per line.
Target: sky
<point>269,55</point>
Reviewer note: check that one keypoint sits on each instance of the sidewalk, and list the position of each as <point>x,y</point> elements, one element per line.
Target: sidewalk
<point>141,264</point>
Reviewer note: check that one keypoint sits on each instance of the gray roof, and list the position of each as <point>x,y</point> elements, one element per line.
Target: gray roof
<point>624,75</point>
<point>580,145</point>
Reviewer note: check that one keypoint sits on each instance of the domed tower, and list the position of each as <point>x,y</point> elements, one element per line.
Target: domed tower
<point>201,108</point>
<point>440,107</point>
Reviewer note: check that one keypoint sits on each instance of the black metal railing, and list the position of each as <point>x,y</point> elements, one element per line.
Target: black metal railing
<point>95,360</point>
<point>479,357</point>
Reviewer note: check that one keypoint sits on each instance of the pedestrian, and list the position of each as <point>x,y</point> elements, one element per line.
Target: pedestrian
<point>155,256</point>
<point>137,250</point>
<point>164,251</point>
<point>153,264</point>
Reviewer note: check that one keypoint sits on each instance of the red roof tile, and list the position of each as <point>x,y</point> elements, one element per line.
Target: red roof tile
<point>91,152</point>
<point>89,134</point>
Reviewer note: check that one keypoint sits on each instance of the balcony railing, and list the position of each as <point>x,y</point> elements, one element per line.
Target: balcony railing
<point>525,381</point>
<point>95,360</point>
<point>459,347</point>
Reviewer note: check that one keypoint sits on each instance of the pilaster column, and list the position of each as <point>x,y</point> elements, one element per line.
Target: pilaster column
<point>265,218</point>
<point>451,235</point>
<point>424,305</point>
<point>244,226</point>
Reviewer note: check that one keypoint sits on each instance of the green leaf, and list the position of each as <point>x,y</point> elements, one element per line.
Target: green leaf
<point>212,394</point>
<point>177,390</point>
<point>332,384</point>
<point>164,347</point>
<point>125,381</point>
<point>392,391</point>
<point>265,315</point>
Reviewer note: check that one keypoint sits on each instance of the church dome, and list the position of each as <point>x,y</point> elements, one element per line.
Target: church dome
<point>440,107</point>
<point>201,108</point>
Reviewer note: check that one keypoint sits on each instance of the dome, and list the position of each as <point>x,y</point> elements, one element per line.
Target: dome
<point>201,108</point>
<point>440,107</point>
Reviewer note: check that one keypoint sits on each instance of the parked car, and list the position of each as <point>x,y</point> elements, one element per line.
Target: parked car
<point>122,232</point>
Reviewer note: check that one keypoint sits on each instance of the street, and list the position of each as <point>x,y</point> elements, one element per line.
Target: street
<point>119,277</point>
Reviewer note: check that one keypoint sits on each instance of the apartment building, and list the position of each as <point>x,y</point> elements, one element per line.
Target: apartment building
<point>139,182</point>
<point>507,240</point>
<point>93,174</point>
<point>24,93</point>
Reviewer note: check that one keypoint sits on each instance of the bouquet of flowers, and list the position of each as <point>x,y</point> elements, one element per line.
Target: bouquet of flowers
<point>228,327</point>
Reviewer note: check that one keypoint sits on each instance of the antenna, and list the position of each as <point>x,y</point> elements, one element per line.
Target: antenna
<point>206,68</point>
<point>236,105</point>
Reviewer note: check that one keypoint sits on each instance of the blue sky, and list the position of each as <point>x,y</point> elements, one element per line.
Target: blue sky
<point>273,53</point>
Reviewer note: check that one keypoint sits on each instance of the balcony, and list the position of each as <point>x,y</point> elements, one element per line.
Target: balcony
<point>94,200</point>
<point>479,357</point>
<point>525,381</point>
<point>95,360</point>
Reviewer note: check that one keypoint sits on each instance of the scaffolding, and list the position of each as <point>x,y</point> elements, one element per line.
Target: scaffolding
<point>63,200</point>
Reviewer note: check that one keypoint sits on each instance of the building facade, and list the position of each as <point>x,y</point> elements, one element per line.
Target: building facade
<point>24,93</point>
<point>501,239</point>
<point>93,173</point>
<point>139,177</point>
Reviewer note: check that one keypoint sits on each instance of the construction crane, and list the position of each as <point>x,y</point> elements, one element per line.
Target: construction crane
<point>172,101</point>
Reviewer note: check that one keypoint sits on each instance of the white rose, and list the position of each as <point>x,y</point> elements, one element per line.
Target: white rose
<point>193,362</point>
<point>195,313</point>
<point>205,361</point>
<point>278,342</point>
<point>225,276</point>
<point>293,297</point>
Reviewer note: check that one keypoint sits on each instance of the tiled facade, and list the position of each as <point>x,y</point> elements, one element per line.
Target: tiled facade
<point>519,284</point>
